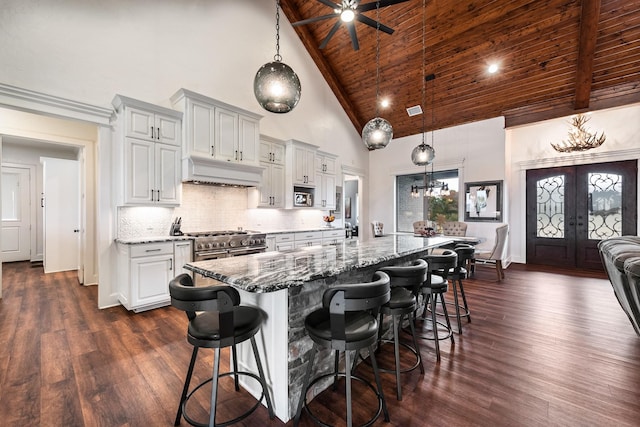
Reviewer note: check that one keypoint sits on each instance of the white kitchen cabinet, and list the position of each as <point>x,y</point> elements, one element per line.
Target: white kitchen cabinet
<point>183,254</point>
<point>308,238</point>
<point>272,187</point>
<point>285,241</point>
<point>325,166</point>
<point>147,153</point>
<point>333,237</point>
<point>271,150</point>
<point>151,173</point>
<point>271,242</point>
<point>301,160</point>
<point>217,130</point>
<point>144,272</point>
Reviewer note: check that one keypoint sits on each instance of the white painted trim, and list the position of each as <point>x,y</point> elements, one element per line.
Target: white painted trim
<point>40,103</point>
<point>580,159</point>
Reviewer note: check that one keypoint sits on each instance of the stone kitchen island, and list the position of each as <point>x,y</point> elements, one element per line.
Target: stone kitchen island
<point>287,286</point>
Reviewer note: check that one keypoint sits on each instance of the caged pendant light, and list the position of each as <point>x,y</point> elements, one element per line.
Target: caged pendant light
<point>276,86</point>
<point>377,133</point>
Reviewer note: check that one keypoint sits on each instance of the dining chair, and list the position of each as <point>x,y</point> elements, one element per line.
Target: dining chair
<point>454,228</point>
<point>496,254</point>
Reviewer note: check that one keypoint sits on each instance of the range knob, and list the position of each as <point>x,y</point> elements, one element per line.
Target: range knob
<point>209,245</point>
<point>214,245</point>
<point>232,244</point>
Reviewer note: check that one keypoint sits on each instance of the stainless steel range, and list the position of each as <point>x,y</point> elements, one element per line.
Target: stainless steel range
<point>226,243</point>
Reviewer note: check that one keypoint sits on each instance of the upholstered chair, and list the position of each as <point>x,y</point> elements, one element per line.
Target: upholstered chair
<point>454,228</point>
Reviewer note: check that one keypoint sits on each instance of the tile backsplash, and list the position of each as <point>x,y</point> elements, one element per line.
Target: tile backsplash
<point>208,207</point>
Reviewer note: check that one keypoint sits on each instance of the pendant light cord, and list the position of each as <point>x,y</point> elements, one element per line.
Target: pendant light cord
<point>277,56</point>
<point>378,56</point>
<point>424,77</point>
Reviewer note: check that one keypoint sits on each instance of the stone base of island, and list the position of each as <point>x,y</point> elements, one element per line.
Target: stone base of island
<point>287,286</point>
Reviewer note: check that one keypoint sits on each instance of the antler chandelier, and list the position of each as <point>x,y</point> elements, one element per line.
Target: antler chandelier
<point>579,139</point>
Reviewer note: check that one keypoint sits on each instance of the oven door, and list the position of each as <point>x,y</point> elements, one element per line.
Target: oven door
<point>247,251</point>
<point>203,256</point>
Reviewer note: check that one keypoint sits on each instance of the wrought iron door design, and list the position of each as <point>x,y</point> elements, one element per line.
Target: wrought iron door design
<point>570,209</point>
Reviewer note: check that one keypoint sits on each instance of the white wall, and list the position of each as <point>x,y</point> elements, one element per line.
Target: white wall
<point>529,148</point>
<point>477,150</point>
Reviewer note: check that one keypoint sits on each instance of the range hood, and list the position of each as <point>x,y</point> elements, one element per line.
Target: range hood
<point>207,170</point>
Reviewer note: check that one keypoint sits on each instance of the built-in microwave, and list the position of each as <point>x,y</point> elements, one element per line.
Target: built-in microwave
<point>302,199</point>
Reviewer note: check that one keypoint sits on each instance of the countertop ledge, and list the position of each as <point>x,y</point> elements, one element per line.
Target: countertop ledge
<point>151,239</point>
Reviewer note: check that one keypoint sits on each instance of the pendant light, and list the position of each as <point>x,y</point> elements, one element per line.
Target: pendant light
<point>276,86</point>
<point>377,133</point>
<point>424,154</point>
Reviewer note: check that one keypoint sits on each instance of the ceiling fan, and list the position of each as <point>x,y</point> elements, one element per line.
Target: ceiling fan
<point>347,11</point>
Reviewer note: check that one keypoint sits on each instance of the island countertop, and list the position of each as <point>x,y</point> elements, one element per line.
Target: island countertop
<point>272,271</point>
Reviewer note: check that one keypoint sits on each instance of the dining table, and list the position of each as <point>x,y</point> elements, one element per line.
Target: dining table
<point>287,286</point>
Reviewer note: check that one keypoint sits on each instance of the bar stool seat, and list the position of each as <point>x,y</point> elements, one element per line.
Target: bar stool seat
<point>221,323</point>
<point>346,322</point>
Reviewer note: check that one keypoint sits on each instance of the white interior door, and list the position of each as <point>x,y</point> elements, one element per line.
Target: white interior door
<point>61,214</point>
<point>16,214</point>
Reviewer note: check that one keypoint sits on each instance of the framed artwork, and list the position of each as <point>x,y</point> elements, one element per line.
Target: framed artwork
<point>483,201</point>
<point>347,207</point>
<point>338,211</point>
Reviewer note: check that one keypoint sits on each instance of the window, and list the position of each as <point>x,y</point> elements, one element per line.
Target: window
<point>439,205</point>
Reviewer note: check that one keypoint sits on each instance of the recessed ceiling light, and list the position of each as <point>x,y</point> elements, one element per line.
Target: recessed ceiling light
<point>384,103</point>
<point>493,68</point>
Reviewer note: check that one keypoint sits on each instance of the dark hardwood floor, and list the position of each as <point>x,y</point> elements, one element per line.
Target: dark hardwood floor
<point>545,347</point>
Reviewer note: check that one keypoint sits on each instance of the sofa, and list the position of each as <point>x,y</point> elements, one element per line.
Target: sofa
<point>621,260</point>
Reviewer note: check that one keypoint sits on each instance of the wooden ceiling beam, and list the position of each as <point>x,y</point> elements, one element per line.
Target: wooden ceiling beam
<point>589,16</point>
<point>325,69</point>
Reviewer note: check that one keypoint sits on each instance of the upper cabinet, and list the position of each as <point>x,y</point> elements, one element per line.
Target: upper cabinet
<point>147,152</point>
<point>271,191</point>
<point>301,163</point>
<point>325,165</point>
<point>220,141</point>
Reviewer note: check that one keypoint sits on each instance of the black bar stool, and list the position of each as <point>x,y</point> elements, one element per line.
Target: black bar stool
<point>436,286</point>
<point>223,322</point>
<point>405,285</point>
<point>346,322</point>
<point>465,255</point>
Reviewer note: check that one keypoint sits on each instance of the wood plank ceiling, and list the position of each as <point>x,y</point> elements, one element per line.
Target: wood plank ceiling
<point>555,57</point>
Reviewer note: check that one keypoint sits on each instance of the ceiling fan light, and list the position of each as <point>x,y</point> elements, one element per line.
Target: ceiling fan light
<point>347,15</point>
<point>377,133</point>
<point>422,155</point>
<point>277,87</point>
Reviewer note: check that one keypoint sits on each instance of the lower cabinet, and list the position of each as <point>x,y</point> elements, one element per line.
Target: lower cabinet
<point>145,270</point>
<point>333,237</point>
<point>308,238</point>
<point>301,239</point>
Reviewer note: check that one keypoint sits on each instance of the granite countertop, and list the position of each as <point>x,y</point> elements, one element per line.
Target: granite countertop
<point>302,230</point>
<point>151,239</point>
<point>272,271</point>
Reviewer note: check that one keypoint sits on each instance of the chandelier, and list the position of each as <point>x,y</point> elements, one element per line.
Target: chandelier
<point>377,133</point>
<point>579,139</point>
<point>432,187</point>
<point>276,86</point>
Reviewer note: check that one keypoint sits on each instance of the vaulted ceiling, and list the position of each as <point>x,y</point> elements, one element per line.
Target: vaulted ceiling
<point>555,57</point>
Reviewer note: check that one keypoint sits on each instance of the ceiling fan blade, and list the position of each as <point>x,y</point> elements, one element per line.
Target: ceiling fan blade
<point>331,4</point>
<point>331,33</point>
<point>354,36</point>
<point>370,22</point>
<point>372,5</point>
<point>314,19</point>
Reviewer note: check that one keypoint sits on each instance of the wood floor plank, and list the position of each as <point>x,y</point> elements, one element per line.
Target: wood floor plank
<point>546,346</point>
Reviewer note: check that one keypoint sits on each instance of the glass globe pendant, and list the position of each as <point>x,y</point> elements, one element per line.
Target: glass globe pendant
<point>276,86</point>
<point>377,133</point>
<point>423,154</point>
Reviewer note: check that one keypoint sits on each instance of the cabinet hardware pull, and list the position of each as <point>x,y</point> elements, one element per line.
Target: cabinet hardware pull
<point>240,155</point>
<point>152,136</point>
<point>153,250</point>
<point>152,195</point>
<point>236,154</point>
<point>170,264</point>
<point>212,150</point>
<point>158,134</point>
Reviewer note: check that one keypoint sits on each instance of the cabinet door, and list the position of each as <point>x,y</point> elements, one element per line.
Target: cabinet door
<point>226,135</point>
<point>183,254</point>
<point>200,129</point>
<point>139,171</point>
<point>139,123</point>
<point>303,166</point>
<point>150,278</point>
<point>309,164</point>
<point>277,186</point>
<point>265,151</point>
<point>266,185</point>
<point>329,189</point>
<point>167,130</point>
<point>248,140</point>
<point>167,174</point>
<point>330,165</point>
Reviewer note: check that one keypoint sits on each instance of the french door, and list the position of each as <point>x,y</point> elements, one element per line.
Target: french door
<point>570,209</point>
